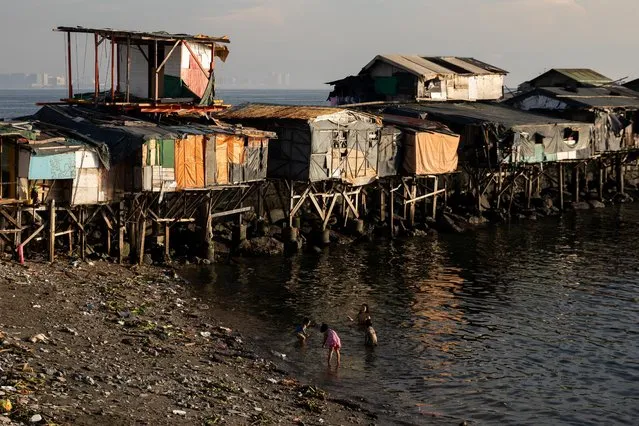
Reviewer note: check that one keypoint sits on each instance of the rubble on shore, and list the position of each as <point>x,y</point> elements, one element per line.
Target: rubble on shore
<point>99,343</point>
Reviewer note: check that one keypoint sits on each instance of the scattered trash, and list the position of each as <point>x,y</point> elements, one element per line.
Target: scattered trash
<point>278,354</point>
<point>36,418</point>
<point>5,405</point>
<point>205,334</point>
<point>272,381</point>
<point>37,306</point>
<point>39,338</point>
<point>179,412</point>
<point>258,409</point>
<point>225,329</point>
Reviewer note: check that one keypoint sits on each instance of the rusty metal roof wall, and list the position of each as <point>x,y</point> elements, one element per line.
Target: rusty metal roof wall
<point>288,112</point>
<point>141,35</point>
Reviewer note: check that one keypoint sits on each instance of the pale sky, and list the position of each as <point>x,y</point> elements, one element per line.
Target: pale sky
<point>320,40</point>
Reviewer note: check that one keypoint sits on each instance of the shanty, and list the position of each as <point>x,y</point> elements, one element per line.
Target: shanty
<point>406,78</point>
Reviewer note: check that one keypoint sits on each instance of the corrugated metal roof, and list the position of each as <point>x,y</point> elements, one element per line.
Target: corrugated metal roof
<point>584,76</point>
<point>430,67</point>
<point>141,35</point>
<point>265,111</point>
<point>478,113</point>
<point>596,97</point>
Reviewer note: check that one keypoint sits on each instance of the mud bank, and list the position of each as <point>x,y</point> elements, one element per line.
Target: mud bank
<point>99,343</point>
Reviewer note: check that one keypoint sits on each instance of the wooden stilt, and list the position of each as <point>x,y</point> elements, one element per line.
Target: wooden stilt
<point>619,175</point>
<point>500,181</point>
<point>411,208</point>
<point>576,175</point>
<point>529,187</point>
<point>121,228</point>
<point>83,235</point>
<point>142,239</point>
<point>435,189</point>
<point>561,186</point>
<point>382,203</point>
<point>52,231</point>
<point>167,241</point>
<point>391,210</point>
<point>600,176</point>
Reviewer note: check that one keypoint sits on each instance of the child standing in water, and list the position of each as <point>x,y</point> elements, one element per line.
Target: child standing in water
<point>332,341</point>
<point>301,331</point>
<point>363,314</point>
<point>370,338</point>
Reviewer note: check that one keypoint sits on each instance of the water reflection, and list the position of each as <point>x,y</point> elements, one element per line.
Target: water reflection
<point>527,323</point>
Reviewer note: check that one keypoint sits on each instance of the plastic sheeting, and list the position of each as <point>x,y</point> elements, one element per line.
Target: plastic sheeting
<point>189,162</point>
<point>430,153</point>
<point>55,166</point>
<point>550,142</point>
<point>389,152</point>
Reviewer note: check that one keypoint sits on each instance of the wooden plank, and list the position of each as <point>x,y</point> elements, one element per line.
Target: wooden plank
<point>329,212</point>
<point>231,212</point>
<point>351,206</point>
<point>142,238</point>
<point>58,234</point>
<point>107,221</point>
<point>317,207</point>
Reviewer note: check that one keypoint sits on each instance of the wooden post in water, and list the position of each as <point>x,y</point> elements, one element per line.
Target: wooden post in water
<point>619,175</point>
<point>52,231</point>
<point>391,212</point>
<point>576,177</point>
<point>435,197</point>
<point>600,176</point>
<point>411,208</point>
<point>121,228</point>
<point>382,203</point>
<point>142,239</point>
<point>529,187</point>
<point>83,235</point>
<point>561,186</point>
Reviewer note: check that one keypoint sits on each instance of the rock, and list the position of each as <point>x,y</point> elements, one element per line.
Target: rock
<point>477,220</point>
<point>484,203</point>
<point>36,418</point>
<point>179,412</point>
<point>261,246</point>
<point>580,206</point>
<point>206,262</point>
<point>596,204</point>
<point>276,215</point>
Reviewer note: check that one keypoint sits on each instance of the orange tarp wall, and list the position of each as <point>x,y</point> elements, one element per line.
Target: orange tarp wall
<point>189,162</point>
<point>430,153</point>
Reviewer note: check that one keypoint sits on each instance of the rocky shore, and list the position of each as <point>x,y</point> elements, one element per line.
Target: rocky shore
<point>99,343</point>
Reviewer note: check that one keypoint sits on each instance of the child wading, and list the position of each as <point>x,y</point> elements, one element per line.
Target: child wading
<point>370,338</point>
<point>301,332</point>
<point>332,341</point>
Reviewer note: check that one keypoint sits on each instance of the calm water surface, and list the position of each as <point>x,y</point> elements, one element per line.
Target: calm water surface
<point>532,323</point>
<point>18,103</point>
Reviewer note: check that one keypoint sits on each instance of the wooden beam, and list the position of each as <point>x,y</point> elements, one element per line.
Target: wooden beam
<point>112,71</point>
<point>128,69</point>
<point>232,212</point>
<point>9,218</point>
<point>142,238</point>
<point>97,68</point>
<point>70,67</point>
<point>327,217</point>
<point>317,206</point>
<point>166,58</point>
<point>51,231</point>
<point>35,233</point>
<point>351,206</point>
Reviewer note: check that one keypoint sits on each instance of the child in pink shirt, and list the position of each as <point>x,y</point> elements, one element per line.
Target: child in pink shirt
<point>332,341</point>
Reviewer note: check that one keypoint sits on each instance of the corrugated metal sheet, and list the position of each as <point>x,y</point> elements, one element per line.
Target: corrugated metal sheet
<point>429,67</point>
<point>584,75</point>
<point>597,97</point>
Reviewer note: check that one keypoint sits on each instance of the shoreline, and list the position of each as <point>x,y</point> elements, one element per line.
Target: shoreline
<point>127,345</point>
